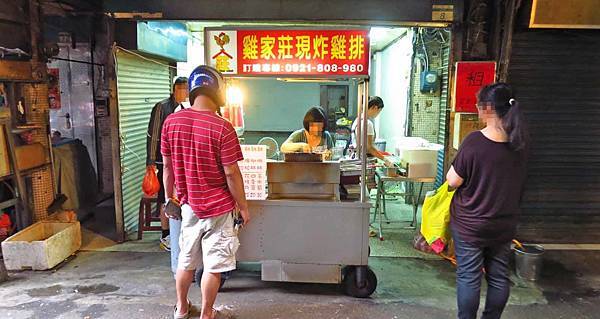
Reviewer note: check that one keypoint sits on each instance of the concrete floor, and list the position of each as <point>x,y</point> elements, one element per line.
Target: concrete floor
<point>139,285</point>
<point>133,280</point>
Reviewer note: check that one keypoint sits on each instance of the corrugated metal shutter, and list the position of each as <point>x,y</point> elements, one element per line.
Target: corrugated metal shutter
<point>140,84</point>
<point>444,113</point>
<point>557,78</point>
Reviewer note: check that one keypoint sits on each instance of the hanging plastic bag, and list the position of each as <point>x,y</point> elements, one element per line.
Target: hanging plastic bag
<point>436,218</point>
<point>150,185</point>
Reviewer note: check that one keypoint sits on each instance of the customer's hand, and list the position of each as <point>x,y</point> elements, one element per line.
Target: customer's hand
<point>172,209</point>
<point>245,213</point>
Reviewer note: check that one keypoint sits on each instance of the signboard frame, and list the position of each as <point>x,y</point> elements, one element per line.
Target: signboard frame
<point>254,164</point>
<point>461,93</point>
<point>573,14</point>
<point>207,53</point>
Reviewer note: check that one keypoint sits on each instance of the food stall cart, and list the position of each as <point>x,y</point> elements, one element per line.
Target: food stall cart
<point>302,232</point>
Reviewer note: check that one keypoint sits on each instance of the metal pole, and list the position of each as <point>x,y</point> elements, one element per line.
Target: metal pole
<point>363,127</point>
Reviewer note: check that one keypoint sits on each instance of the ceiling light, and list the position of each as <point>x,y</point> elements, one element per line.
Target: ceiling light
<point>378,33</point>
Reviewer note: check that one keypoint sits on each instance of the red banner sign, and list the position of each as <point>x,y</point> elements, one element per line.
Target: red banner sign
<point>470,78</point>
<point>290,52</point>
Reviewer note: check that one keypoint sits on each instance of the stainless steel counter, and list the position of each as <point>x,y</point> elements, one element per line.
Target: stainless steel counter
<point>305,240</point>
<point>304,180</point>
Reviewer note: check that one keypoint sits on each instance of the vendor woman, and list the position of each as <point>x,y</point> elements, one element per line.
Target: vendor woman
<point>313,137</point>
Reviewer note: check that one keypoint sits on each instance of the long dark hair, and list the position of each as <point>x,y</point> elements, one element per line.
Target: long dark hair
<point>501,97</point>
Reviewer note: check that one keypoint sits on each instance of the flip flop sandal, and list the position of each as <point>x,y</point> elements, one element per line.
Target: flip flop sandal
<point>177,315</point>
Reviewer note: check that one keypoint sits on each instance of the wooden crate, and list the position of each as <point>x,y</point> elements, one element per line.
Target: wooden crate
<point>30,156</point>
<point>41,246</point>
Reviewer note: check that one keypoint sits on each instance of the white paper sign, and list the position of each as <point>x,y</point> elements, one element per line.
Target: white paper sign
<point>222,50</point>
<point>254,171</point>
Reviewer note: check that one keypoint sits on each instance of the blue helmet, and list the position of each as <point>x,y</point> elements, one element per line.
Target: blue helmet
<point>206,80</point>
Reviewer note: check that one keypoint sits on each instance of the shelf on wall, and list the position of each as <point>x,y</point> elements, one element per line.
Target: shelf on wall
<point>26,171</point>
<point>8,203</point>
<point>25,128</point>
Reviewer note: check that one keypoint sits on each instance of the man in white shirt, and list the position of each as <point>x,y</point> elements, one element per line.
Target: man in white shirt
<point>375,107</point>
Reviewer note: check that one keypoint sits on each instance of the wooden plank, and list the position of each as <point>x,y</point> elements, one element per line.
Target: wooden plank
<point>7,17</point>
<point>23,216</point>
<point>506,46</point>
<point>5,168</point>
<point>15,70</point>
<point>116,160</point>
<point>8,203</point>
<point>571,246</point>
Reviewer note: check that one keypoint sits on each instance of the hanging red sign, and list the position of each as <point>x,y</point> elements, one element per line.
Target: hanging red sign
<point>470,78</point>
<point>289,52</point>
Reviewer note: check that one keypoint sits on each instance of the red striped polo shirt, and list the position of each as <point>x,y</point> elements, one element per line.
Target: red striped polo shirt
<point>200,144</point>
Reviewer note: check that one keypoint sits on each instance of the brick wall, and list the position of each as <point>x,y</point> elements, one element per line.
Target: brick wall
<point>425,108</point>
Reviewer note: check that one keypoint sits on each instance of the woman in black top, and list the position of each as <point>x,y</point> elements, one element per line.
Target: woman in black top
<point>488,174</point>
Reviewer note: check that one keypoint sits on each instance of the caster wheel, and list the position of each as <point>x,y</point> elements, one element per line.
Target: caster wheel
<point>350,285</point>
<point>224,277</point>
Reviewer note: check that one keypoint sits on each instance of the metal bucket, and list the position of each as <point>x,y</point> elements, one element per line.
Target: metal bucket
<point>528,261</point>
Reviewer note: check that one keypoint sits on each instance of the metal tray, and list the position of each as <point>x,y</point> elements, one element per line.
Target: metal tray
<point>302,157</point>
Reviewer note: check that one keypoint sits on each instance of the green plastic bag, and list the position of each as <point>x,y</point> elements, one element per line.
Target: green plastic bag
<point>436,215</point>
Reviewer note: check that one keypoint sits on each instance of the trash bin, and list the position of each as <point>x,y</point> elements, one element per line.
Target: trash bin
<point>528,261</point>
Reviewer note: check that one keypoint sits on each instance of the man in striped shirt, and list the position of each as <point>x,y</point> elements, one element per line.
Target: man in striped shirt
<point>200,152</point>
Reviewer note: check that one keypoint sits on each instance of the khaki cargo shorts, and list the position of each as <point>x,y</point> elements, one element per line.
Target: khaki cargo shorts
<point>212,242</point>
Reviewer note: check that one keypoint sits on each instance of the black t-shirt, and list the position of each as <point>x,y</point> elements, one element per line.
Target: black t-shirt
<point>485,208</point>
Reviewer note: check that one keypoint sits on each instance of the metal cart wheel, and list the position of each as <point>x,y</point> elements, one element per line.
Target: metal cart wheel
<point>352,285</point>
<point>224,277</point>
